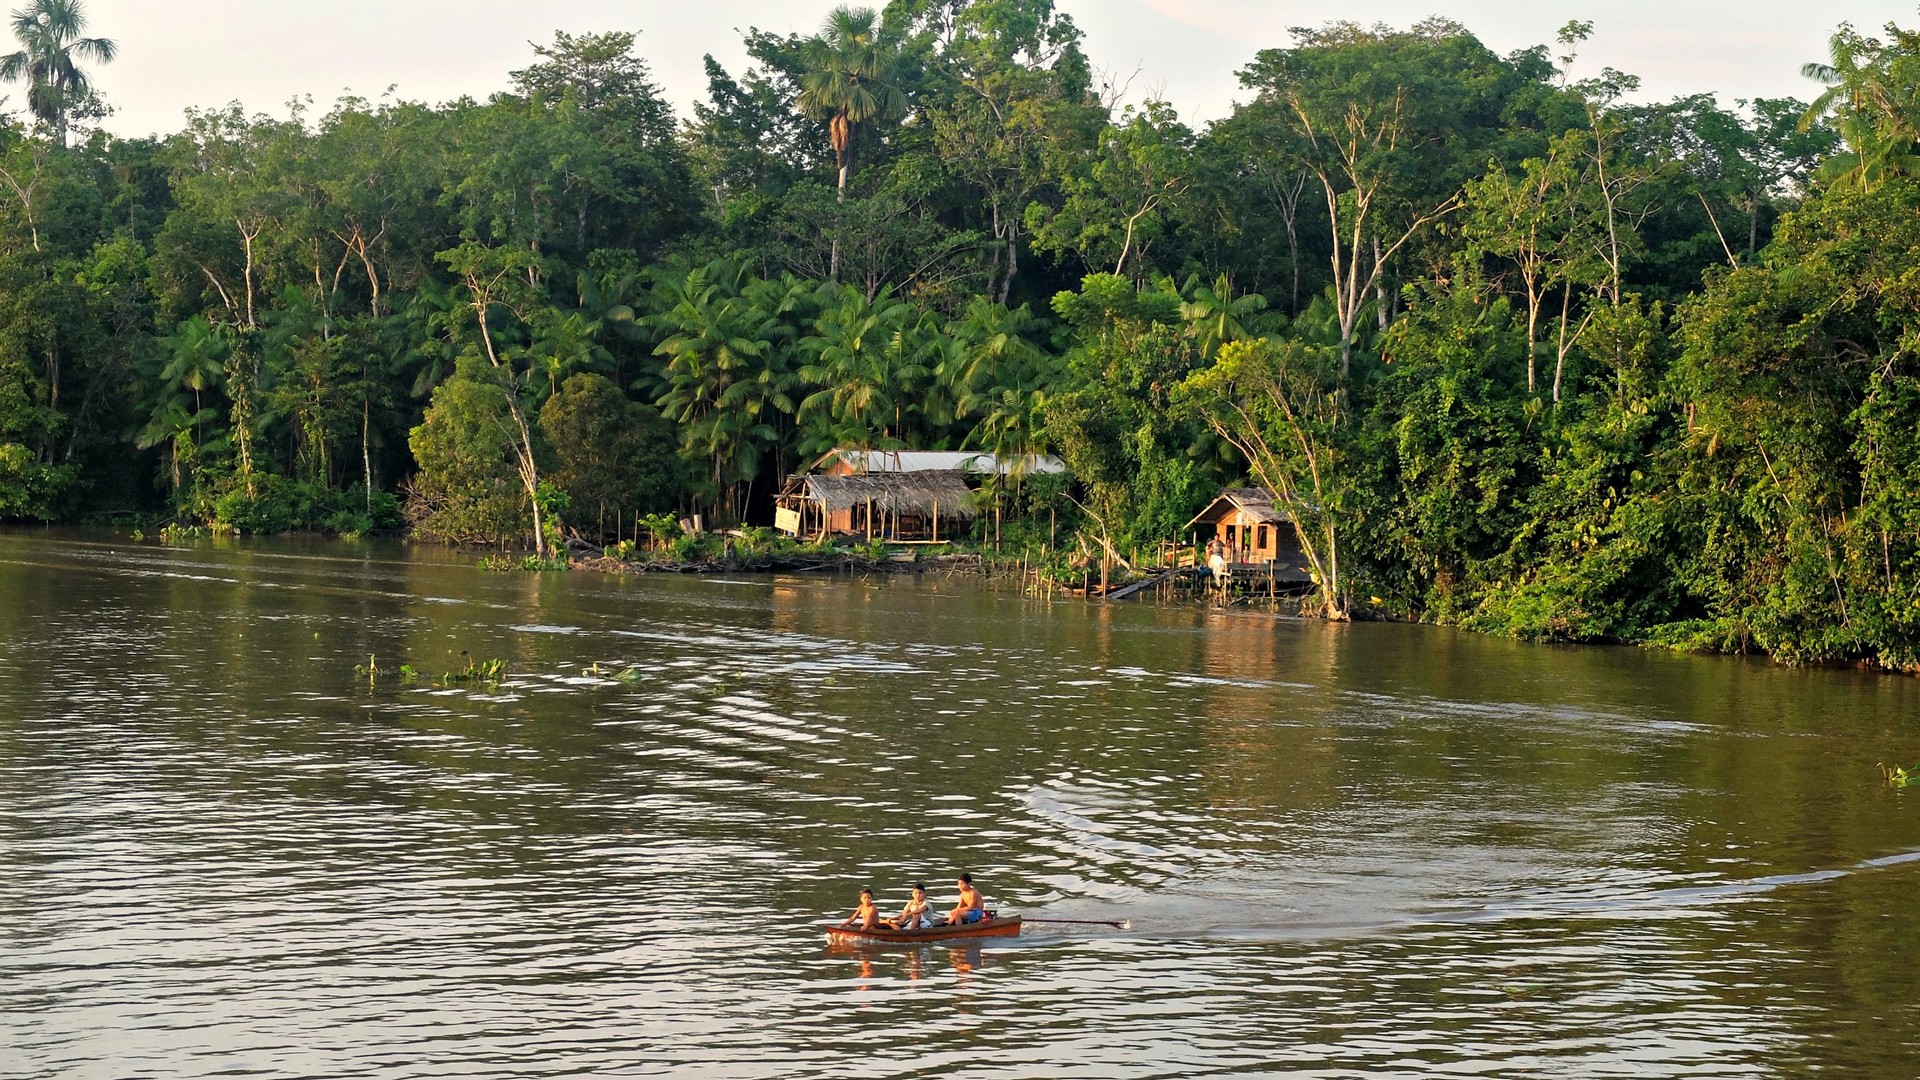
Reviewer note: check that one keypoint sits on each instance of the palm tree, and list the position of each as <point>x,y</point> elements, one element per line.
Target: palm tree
<point>49,31</point>
<point>871,367</point>
<point>727,382</point>
<point>1872,97</point>
<point>1215,316</point>
<point>851,81</point>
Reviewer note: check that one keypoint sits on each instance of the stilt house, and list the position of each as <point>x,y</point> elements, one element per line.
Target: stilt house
<point>904,496</point>
<point>901,507</point>
<point>1255,531</point>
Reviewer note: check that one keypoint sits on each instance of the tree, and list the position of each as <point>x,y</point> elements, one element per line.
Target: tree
<point>1215,316</point>
<point>1007,89</point>
<point>871,364</point>
<point>1118,202</point>
<point>1873,96</point>
<point>51,48</point>
<point>1112,417</point>
<point>1799,389</point>
<point>852,81</point>
<point>1381,119</point>
<point>611,452</point>
<point>1279,404</point>
<point>467,489</point>
<point>1536,218</point>
<point>493,278</point>
<point>729,376</point>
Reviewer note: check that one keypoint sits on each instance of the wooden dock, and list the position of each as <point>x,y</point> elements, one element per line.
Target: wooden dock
<point>1244,581</point>
<point>1145,583</point>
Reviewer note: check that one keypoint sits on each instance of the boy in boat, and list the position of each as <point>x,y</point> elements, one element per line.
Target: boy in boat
<point>866,916</point>
<point>917,915</point>
<point>971,908</point>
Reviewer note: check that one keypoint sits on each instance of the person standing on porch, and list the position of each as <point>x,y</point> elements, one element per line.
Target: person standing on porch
<point>1217,560</point>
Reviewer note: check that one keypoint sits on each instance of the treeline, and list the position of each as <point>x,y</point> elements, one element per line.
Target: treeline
<point>1515,351</point>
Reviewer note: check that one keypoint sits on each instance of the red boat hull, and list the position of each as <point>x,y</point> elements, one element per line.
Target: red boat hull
<point>1000,926</point>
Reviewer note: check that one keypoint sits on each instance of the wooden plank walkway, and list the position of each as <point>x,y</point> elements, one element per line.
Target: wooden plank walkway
<point>1122,594</point>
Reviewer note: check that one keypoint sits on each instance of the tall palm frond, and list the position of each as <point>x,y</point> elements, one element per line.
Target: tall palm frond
<point>51,48</point>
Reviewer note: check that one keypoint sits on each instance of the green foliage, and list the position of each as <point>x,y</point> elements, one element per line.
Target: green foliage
<point>466,490</point>
<point>852,81</point>
<point>30,489</point>
<point>1451,453</point>
<point>51,48</point>
<point>661,529</point>
<point>1114,425</point>
<point>1874,100</point>
<point>686,548</point>
<point>1282,405</point>
<point>1119,201</point>
<point>275,504</point>
<point>1512,350</point>
<point>482,672</point>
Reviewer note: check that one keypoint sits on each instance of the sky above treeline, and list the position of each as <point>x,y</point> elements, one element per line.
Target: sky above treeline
<point>201,53</point>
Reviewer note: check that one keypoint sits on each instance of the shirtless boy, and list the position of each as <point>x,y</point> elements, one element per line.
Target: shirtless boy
<point>866,915</point>
<point>971,908</point>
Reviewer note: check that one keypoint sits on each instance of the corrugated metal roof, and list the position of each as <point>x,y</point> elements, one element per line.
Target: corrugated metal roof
<point>967,461</point>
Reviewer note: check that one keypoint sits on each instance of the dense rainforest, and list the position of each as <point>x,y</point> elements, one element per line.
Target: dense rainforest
<point>1517,350</point>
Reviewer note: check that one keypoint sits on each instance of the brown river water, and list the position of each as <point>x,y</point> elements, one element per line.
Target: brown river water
<point>1350,851</point>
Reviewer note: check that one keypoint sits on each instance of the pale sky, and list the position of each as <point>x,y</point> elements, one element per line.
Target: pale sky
<point>262,53</point>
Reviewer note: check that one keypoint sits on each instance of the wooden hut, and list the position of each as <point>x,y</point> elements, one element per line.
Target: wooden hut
<point>909,496</point>
<point>1255,531</point>
<point>901,507</point>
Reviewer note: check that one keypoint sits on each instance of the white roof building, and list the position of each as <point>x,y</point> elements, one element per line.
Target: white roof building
<point>852,461</point>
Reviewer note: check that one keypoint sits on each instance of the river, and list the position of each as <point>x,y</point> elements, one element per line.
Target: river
<point>1341,851</point>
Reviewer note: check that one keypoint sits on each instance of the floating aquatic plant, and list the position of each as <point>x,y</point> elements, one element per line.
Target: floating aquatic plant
<point>477,671</point>
<point>1899,777</point>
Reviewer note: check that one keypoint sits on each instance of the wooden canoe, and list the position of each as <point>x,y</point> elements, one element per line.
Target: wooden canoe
<point>997,926</point>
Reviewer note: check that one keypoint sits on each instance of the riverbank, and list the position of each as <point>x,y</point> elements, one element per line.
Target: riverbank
<point>795,562</point>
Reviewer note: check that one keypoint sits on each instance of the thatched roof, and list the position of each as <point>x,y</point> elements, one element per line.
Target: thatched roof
<point>1256,503</point>
<point>896,493</point>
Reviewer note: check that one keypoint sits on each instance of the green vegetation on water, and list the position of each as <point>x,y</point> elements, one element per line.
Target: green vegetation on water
<point>1517,349</point>
<point>473,673</point>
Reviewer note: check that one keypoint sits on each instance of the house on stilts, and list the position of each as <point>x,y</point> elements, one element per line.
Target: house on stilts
<point>1257,534</point>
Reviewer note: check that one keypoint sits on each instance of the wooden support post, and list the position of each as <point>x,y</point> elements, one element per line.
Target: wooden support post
<point>936,521</point>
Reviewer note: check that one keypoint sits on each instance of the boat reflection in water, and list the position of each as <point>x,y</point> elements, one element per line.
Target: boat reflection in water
<point>915,963</point>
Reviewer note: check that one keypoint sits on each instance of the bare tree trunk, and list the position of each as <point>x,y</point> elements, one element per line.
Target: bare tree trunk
<point>366,453</point>
<point>525,464</point>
